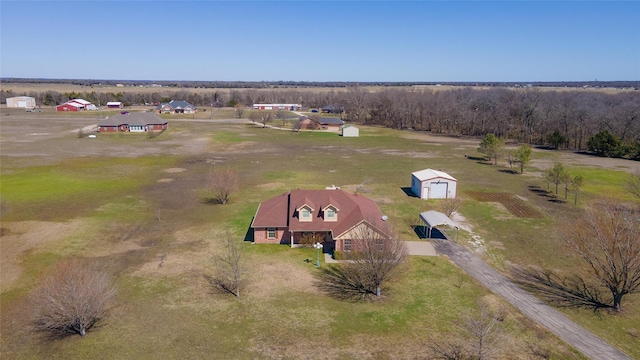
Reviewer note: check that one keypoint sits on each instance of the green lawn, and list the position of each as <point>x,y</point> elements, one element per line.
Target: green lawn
<point>160,238</point>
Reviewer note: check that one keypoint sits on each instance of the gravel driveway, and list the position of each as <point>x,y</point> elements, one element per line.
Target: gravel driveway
<point>573,334</point>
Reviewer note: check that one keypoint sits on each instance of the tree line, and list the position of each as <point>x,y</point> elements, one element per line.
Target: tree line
<point>560,119</point>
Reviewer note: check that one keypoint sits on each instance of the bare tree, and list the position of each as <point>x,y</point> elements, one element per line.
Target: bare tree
<point>238,110</point>
<point>376,260</point>
<point>223,183</point>
<point>362,187</point>
<point>281,115</point>
<point>485,333</point>
<point>265,117</point>
<point>296,126</point>
<point>230,269</point>
<point>450,205</point>
<point>632,185</point>
<point>608,240</point>
<point>71,299</point>
<point>577,182</point>
<point>479,336</point>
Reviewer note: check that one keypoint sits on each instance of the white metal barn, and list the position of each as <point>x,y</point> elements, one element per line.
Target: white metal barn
<point>433,184</point>
<point>26,102</point>
<point>350,131</point>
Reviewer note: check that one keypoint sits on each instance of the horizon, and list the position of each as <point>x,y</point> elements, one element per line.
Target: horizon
<point>308,41</point>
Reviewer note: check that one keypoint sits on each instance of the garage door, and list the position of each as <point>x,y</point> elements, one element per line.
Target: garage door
<point>438,190</point>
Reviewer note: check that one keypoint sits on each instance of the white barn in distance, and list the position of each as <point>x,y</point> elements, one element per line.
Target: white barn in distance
<point>25,102</point>
<point>433,184</point>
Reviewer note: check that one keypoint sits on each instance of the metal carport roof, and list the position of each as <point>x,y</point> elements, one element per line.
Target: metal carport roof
<point>434,218</point>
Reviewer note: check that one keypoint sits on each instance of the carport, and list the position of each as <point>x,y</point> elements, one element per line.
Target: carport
<point>433,219</point>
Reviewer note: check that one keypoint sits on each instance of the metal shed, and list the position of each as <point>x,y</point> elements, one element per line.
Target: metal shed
<point>433,184</point>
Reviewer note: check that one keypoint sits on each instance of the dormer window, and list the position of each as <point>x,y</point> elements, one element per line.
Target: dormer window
<point>304,214</point>
<point>330,213</point>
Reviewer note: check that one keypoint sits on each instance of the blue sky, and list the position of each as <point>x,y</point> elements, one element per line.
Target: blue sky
<point>429,41</point>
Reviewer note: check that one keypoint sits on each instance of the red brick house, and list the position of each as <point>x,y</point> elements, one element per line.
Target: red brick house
<point>132,122</point>
<point>333,216</point>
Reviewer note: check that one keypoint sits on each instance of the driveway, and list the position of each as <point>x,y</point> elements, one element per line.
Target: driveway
<point>573,334</point>
<point>421,248</point>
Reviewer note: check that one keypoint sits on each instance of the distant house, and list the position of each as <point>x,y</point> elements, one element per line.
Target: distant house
<point>291,107</point>
<point>25,102</point>
<point>332,216</point>
<point>115,105</point>
<point>330,123</point>
<point>176,107</point>
<point>333,109</point>
<point>132,122</point>
<point>433,184</point>
<point>350,131</point>
<point>309,124</point>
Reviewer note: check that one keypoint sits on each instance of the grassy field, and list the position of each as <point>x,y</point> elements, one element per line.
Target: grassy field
<point>138,206</point>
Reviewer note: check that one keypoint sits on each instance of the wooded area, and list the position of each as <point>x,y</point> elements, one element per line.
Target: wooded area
<point>559,118</point>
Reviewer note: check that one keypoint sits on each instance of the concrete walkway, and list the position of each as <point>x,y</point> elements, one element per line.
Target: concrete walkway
<point>573,334</point>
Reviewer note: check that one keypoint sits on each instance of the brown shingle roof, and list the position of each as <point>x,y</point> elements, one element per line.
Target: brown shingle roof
<point>280,211</point>
<point>132,119</point>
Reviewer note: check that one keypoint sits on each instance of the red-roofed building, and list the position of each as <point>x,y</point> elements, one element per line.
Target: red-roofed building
<point>69,106</point>
<point>333,215</point>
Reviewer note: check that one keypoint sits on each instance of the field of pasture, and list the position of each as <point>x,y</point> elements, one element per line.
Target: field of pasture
<point>139,207</point>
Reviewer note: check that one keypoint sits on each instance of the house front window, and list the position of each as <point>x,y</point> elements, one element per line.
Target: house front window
<point>305,214</point>
<point>271,233</point>
<point>347,245</point>
<point>379,244</point>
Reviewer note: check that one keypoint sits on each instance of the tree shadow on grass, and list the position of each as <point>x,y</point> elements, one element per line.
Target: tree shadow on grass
<point>509,171</point>
<point>569,291</point>
<point>211,201</point>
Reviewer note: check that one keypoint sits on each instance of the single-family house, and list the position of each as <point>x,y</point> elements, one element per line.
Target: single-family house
<point>350,131</point>
<point>132,122</point>
<point>176,107</point>
<point>333,109</point>
<point>433,184</point>
<point>332,216</point>
<point>330,123</point>
<point>115,105</point>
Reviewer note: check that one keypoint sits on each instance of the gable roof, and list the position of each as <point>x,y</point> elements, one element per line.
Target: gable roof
<point>132,119</point>
<point>281,211</point>
<point>330,121</point>
<point>80,101</point>
<point>178,104</point>
<point>74,104</point>
<point>428,174</point>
